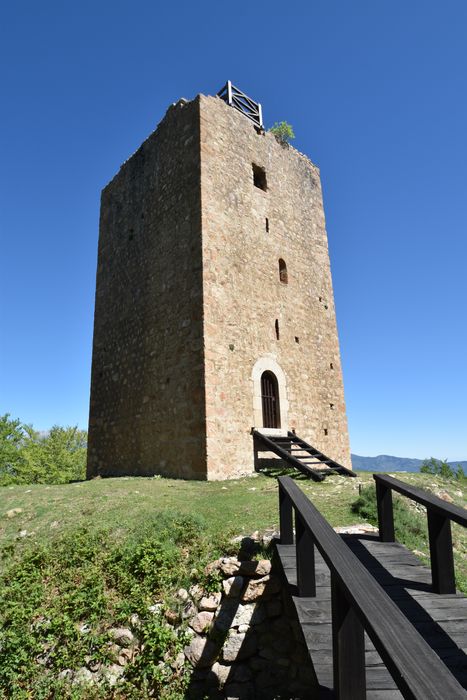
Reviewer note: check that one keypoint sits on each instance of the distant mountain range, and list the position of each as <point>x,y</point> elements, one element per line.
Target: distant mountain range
<point>387,463</point>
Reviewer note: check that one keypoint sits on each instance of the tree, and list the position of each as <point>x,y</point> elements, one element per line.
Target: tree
<point>29,457</point>
<point>56,458</point>
<point>283,132</point>
<point>12,438</point>
<point>440,467</point>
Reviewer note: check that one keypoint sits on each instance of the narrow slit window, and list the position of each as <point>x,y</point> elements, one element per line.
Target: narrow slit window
<point>267,225</point>
<point>259,177</point>
<point>276,326</point>
<point>325,431</point>
<point>283,276</point>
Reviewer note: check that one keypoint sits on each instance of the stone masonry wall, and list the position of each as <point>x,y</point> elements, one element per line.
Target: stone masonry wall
<point>147,412</point>
<point>188,295</point>
<point>243,295</point>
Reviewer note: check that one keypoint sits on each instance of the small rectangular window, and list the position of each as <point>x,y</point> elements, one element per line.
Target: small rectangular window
<point>259,177</point>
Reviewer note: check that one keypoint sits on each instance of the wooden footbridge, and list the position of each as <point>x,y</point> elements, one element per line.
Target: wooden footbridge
<point>377,624</point>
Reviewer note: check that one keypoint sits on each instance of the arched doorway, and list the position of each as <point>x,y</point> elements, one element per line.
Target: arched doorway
<point>270,400</point>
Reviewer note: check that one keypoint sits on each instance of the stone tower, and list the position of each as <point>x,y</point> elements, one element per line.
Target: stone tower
<point>214,304</point>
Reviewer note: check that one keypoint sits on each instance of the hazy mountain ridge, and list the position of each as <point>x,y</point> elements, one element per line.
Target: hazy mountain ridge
<point>388,463</point>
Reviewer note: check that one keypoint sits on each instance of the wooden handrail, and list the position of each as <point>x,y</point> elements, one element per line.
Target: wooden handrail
<point>359,604</point>
<point>286,456</point>
<point>439,515</point>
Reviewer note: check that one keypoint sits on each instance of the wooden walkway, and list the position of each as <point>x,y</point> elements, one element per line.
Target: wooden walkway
<point>441,619</point>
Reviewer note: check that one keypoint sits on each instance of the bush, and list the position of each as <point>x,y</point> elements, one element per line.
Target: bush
<point>58,602</point>
<point>29,457</point>
<point>283,132</point>
<point>441,468</point>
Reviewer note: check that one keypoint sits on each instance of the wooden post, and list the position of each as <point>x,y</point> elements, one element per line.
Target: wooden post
<point>348,647</point>
<point>285,517</point>
<point>385,513</point>
<point>305,558</point>
<point>442,559</point>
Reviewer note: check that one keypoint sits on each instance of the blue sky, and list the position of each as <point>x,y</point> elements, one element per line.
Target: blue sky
<point>376,93</point>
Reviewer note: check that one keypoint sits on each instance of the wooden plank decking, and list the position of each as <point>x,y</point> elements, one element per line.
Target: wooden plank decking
<point>441,619</point>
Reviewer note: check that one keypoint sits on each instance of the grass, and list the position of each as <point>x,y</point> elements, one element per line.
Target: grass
<point>98,552</point>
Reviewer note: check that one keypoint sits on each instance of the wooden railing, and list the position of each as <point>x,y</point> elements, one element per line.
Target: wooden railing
<point>439,515</point>
<point>359,604</point>
<point>237,99</point>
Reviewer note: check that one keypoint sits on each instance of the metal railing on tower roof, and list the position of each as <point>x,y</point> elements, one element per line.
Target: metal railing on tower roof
<point>236,98</point>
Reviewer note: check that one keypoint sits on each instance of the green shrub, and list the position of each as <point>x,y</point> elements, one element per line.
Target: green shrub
<point>91,577</point>
<point>283,132</point>
<point>29,457</point>
<point>441,468</point>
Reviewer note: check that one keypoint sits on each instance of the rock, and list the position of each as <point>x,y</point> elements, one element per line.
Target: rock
<point>233,586</point>
<point>269,536</point>
<point>178,661</point>
<point>66,674</point>
<point>82,676</point>
<point>210,602</point>
<point>258,664</point>
<point>189,609</point>
<point>135,620</point>
<point>172,617</point>
<point>182,595</point>
<point>249,614</point>
<point>230,566</point>
<point>200,652</point>
<point>238,646</point>
<point>273,607</point>
<point>196,592</point>
<point>241,673</point>
<point>239,691</point>
<point>154,609</point>
<point>211,567</point>
<point>446,497</point>
<point>54,524</point>
<point>221,672</point>
<point>122,635</point>
<point>243,628</point>
<point>202,621</point>
<point>22,533</point>
<point>112,674</point>
<point>124,657</point>
<point>225,615</point>
<point>261,588</point>
<point>84,628</point>
<point>255,568</point>
<point>13,512</point>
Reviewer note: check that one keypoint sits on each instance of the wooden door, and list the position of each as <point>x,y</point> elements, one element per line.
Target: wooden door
<point>270,401</point>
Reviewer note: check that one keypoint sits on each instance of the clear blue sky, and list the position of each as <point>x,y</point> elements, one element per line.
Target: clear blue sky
<point>377,94</point>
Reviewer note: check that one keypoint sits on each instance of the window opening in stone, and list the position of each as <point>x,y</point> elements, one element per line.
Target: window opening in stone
<point>267,225</point>
<point>270,400</point>
<point>331,365</point>
<point>283,276</point>
<point>297,339</point>
<point>331,406</point>
<point>276,326</point>
<point>325,431</point>
<point>259,177</point>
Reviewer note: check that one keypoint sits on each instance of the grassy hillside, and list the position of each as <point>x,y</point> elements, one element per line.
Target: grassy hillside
<point>79,559</point>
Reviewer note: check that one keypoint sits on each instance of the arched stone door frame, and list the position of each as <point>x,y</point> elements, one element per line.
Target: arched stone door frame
<point>269,364</point>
